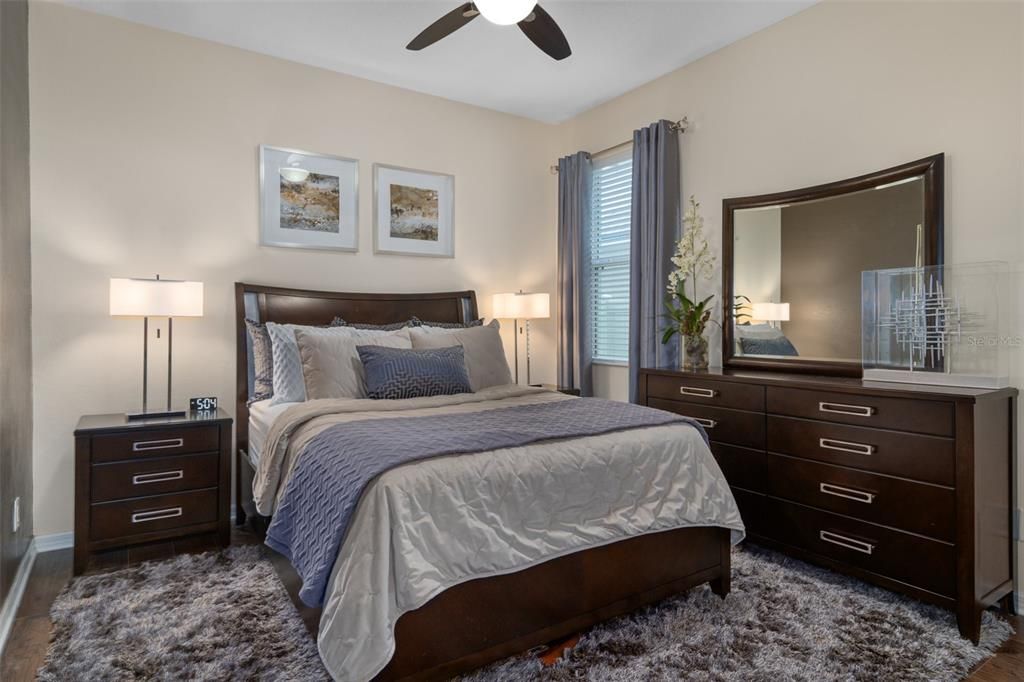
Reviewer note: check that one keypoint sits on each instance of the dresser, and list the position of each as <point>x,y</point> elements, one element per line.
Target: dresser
<point>140,481</point>
<point>907,487</point>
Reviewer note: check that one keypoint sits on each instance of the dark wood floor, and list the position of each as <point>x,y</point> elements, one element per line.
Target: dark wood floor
<point>30,636</point>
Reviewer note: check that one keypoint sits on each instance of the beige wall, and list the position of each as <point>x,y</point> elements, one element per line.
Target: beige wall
<point>144,151</point>
<point>15,297</point>
<point>845,88</point>
<point>841,89</point>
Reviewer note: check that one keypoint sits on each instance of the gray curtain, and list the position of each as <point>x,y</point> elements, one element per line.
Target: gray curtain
<point>654,232</point>
<point>574,344</point>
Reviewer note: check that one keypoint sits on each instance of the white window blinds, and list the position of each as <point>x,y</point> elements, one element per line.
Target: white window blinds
<point>608,252</point>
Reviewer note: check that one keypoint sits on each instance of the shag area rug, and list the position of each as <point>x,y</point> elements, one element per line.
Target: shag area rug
<point>226,615</point>
<point>221,615</point>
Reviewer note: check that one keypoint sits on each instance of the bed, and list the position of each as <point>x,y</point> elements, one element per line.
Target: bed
<point>443,626</point>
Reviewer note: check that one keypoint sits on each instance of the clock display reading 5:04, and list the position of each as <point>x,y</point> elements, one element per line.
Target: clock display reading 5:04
<point>202,404</point>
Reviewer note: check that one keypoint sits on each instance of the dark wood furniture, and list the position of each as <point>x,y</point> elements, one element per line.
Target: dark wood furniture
<point>929,168</point>
<point>142,480</point>
<point>909,487</point>
<point>488,619</point>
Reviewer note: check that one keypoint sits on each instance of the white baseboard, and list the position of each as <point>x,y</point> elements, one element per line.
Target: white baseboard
<point>50,543</point>
<point>13,600</point>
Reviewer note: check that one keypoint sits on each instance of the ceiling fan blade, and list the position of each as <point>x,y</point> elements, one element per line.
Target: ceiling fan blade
<point>545,34</point>
<point>446,25</point>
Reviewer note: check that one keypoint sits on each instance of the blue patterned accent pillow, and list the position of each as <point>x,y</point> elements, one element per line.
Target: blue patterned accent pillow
<point>414,373</point>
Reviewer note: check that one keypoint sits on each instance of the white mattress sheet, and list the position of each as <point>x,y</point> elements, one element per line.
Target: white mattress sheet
<point>261,417</point>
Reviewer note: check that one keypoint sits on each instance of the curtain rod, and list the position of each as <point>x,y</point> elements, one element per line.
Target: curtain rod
<point>679,126</point>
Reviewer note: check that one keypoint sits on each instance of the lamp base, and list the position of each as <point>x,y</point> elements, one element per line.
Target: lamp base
<point>155,414</point>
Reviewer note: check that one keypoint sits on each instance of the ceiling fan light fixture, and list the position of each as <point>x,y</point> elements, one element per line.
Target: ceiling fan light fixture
<point>505,12</point>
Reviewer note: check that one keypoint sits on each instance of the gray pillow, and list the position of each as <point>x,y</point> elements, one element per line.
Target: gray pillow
<point>330,362</point>
<point>485,356</point>
<point>396,373</point>
<point>393,326</point>
<point>263,361</point>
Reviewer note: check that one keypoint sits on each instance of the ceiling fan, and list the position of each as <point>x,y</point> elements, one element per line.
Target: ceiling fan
<point>531,18</point>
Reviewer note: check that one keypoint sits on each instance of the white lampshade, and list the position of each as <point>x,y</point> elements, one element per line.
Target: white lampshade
<point>770,312</point>
<point>521,306</point>
<point>505,12</point>
<point>155,298</point>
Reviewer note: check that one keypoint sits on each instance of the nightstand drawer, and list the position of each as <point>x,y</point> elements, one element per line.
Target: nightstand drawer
<point>146,514</point>
<point>155,476</point>
<point>155,443</point>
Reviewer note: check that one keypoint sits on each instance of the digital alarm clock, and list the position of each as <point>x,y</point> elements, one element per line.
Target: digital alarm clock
<point>202,404</point>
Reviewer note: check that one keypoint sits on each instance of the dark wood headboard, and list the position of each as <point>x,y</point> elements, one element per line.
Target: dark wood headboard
<point>302,306</point>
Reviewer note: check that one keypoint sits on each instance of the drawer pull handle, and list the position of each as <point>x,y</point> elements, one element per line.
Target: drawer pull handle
<point>156,515</point>
<point>706,423</point>
<point>848,543</point>
<point>166,444</point>
<point>158,477</point>
<point>840,408</point>
<point>699,392</point>
<point>846,446</point>
<point>848,493</point>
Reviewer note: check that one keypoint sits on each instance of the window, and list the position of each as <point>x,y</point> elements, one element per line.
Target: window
<point>608,256</point>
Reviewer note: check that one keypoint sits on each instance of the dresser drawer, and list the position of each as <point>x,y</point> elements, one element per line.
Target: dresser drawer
<point>922,458</point>
<point>706,392</point>
<point>147,514</point>
<point>155,443</point>
<point>155,476</point>
<point>915,507</point>
<point>743,467</point>
<point>918,416</point>
<point>735,427</point>
<point>911,559</point>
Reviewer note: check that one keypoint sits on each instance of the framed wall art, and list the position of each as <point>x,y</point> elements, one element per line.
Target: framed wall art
<point>308,200</point>
<point>413,211</point>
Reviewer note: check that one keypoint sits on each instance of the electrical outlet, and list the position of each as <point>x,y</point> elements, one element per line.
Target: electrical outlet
<point>17,514</point>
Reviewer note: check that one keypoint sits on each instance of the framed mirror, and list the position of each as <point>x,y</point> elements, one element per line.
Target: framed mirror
<point>792,264</point>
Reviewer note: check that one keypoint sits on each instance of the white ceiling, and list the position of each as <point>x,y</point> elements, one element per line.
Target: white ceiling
<point>617,45</point>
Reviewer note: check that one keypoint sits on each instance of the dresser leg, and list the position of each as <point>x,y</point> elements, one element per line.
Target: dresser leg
<point>721,585</point>
<point>1009,604</point>
<point>968,619</point>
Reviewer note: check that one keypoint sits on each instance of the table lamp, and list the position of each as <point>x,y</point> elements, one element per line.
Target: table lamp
<point>147,298</point>
<point>521,306</point>
<point>770,312</point>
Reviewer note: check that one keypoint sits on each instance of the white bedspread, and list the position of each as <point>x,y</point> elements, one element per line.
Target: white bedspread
<point>424,527</point>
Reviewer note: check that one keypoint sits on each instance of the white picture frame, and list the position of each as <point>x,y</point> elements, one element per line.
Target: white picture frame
<point>320,211</point>
<point>413,212</point>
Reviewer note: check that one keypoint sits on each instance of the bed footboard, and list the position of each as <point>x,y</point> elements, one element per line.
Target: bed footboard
<point>485,620</point>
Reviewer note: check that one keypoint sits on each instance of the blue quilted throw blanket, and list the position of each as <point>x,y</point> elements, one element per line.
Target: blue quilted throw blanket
<point>335,467</point>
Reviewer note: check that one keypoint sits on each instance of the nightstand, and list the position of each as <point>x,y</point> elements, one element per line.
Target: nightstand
<point>139,481</point>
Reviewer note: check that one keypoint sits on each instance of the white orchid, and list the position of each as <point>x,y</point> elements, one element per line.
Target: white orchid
<point>693,260</point>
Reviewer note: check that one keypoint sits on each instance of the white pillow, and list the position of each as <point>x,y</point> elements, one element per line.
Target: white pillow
<point>289,386</point>
<point>330,360</point>
<point>485,356</point>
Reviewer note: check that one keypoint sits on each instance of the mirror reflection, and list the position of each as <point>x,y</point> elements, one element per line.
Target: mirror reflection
<point>797,268</point>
